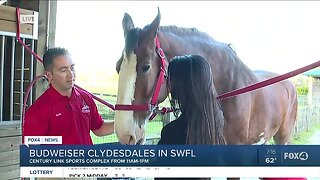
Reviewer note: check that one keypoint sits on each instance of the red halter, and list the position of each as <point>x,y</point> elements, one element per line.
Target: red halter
<point>152,106</point>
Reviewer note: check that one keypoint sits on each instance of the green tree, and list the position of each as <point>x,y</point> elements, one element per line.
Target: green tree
<point>301,84</point>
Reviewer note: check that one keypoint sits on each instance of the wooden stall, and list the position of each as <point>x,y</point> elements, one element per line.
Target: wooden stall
<point>17,69</point>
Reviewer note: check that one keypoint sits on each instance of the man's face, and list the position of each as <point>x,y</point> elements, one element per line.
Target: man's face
<point>62,74</point>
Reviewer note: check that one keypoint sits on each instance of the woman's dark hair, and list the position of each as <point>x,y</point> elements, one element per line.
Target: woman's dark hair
<point>191,84</point>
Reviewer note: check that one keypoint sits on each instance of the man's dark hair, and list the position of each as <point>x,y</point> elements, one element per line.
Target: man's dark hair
<point>52,53</point>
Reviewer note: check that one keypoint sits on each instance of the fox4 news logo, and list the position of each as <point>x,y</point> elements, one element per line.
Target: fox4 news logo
<point>303,156</point>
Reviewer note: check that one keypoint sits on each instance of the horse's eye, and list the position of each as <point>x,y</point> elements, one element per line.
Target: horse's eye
<point>145,68</point>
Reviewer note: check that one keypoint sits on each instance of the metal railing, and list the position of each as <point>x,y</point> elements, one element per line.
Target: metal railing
<point>308,114</point>
<point>16,64</point>
<point>13,69</point>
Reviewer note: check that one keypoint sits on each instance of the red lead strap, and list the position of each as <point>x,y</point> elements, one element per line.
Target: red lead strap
<point>269,81</point>
<point>19,39</point>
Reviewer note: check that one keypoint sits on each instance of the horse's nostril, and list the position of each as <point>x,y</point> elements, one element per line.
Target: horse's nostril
<point>132,140</point>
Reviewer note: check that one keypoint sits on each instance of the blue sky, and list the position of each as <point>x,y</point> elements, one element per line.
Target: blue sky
<point>268,35</point>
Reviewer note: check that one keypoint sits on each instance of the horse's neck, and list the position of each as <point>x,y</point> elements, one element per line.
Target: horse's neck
<point>234,72</point>
<point>228,70</point>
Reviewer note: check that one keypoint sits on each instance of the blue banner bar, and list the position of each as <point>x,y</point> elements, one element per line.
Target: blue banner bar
<point>169,155</point>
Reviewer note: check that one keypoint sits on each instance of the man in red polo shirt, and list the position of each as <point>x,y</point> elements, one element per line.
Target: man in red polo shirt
<point>64,110</point>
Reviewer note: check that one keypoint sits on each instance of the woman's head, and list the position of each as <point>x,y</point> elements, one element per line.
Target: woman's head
<point>188,76</point>
<point>191,85</point>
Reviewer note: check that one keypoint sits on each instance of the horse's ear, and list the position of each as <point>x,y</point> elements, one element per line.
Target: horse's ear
<point>153,28</point>
<point>127,23</point>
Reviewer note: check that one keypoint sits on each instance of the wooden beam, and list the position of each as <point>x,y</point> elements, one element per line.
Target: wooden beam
<point>11,26</point>
<point>46,39</point>
<point>46,31</point>
<point>5,157</point>
<point>12,167</point>
<point>10,172</point>
<point>10,130</point>
<point>8,23</point>
<point>9,13</point>
<point>9,143</point>
<point>14,174</point>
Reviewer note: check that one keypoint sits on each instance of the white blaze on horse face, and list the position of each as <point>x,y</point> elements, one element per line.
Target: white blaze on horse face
<point>125,126</point>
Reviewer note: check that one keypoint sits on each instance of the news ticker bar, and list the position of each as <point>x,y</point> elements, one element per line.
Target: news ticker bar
<point>108,172</point>
<point>155,155</point>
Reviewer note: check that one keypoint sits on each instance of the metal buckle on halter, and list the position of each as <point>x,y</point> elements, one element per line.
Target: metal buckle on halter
<point>160,53</point>
<point>152,108</point>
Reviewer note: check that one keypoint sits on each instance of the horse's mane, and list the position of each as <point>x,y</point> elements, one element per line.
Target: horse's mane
<point>182,30</point>
<point>132,40</point>
<point>193,32</point>
<point>133,36</point>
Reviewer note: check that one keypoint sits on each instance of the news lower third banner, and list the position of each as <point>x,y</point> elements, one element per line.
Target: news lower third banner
<point>53,160</point>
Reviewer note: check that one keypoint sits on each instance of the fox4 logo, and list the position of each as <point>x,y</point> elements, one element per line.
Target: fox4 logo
<point>296,156</point>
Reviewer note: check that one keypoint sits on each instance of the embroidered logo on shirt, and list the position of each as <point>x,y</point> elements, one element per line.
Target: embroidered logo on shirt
<point>85,108</point>
<point>59,114</point>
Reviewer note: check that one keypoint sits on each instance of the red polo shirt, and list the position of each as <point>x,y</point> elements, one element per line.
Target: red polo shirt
<point>55,115</point>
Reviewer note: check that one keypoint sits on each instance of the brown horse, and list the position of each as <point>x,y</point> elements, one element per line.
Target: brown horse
<point>251,118</point>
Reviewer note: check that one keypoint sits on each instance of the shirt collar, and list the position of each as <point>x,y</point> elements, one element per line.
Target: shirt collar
<point>56,95</point>
<point>75,92</point>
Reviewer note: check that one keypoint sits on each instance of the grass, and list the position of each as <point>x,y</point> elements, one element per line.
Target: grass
<point>301,138</point>
<point>153,130</point>
<point>304,137</point>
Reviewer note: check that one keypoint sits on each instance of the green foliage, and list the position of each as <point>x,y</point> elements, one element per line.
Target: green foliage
<point>301,84</point>
<point>302,90</point>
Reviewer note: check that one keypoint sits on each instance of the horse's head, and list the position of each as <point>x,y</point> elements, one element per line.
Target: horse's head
<point>139,69</point>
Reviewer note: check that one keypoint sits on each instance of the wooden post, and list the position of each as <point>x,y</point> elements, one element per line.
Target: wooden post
<point>46,33</point>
